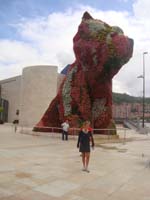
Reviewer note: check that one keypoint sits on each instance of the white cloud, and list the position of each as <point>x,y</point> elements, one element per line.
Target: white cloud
<point>141,9</point>
<point>49,41</point>
<point>119,86</point>
<point>16,51</point>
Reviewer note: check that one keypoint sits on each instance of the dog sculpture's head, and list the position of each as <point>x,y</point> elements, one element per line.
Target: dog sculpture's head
<point>98,45</point>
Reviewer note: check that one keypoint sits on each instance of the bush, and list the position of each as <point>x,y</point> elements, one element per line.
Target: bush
<point>1,121</point>
<point>1,109</point>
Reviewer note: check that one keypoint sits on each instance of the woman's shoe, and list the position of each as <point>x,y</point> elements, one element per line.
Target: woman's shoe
<point>83,169</point>
<point>87,170</point>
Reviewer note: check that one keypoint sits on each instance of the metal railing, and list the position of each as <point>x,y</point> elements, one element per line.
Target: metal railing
<point>73,133</point>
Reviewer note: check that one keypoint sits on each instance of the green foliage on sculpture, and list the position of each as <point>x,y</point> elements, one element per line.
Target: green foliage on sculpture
<point>66,91</point>
<point>1,109</point>
<point>86,92</point>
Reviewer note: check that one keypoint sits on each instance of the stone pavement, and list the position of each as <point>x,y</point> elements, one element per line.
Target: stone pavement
<point>46,168</point>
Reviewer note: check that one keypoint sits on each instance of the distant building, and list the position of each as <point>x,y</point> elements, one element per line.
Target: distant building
<point>130,111</point>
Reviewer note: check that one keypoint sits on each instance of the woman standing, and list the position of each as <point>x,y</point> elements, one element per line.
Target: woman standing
<point>84,138</point>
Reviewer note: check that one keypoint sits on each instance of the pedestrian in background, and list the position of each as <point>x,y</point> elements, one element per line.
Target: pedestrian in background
<point>65,128</point>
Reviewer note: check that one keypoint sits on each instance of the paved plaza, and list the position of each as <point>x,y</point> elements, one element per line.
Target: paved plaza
<point>46,168</point>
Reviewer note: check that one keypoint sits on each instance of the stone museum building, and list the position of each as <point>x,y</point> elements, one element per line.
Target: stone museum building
<point>26,97</point>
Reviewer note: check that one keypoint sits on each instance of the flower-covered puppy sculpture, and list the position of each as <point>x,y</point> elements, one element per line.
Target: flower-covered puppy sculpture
<point>86,91</point>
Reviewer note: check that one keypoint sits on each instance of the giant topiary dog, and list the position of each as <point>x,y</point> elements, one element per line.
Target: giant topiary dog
<point>86,91</point>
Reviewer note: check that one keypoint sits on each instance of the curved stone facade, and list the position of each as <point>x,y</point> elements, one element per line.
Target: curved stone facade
<point>38,88</point>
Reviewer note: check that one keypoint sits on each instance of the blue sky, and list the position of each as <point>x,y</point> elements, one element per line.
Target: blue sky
<point>11,11</point>
<point>36,32</point>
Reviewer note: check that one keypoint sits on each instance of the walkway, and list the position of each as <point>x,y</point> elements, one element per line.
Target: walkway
<point>46,168</point>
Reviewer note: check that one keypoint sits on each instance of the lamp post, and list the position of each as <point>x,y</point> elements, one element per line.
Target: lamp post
<point>143,77</point>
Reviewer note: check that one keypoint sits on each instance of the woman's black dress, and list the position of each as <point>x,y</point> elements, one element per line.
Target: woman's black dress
<point>84,141</point>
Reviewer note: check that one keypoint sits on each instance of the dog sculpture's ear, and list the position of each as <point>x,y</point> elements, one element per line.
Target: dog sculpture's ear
<point>86,16</point>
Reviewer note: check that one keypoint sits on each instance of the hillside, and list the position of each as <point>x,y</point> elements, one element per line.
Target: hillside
<point>119,98</point>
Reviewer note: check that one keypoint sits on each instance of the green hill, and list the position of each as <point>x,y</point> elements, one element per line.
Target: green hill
<point>119,98</point>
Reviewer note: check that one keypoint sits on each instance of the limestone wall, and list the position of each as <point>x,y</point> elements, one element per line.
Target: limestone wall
<point>10,90</point>
<point>38,88</point>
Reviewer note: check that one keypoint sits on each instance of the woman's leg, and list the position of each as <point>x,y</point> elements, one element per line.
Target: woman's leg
<point>83,160</point>
<point>87,158</point>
